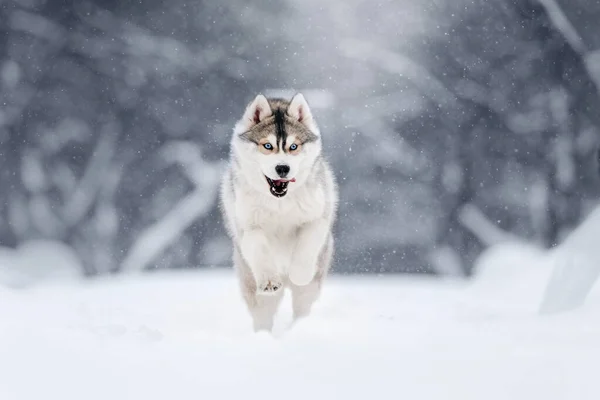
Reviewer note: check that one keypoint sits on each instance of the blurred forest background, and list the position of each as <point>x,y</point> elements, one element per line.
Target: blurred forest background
<point>450,123</point>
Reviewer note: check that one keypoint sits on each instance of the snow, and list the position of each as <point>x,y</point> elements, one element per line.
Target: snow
<point>527,278</point>
<point>576,267</point>
<point>186,335</point>
<point>511,278</point>
<point>37,261</point>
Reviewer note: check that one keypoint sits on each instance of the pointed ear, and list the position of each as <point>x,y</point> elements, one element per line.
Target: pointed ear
<point>256,112</point>
<point>299,110</point>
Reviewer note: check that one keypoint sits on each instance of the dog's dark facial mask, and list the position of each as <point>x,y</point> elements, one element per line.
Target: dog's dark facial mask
<point>279,187</point>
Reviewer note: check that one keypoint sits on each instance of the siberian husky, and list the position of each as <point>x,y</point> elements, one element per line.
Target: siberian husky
<point>279,202</point>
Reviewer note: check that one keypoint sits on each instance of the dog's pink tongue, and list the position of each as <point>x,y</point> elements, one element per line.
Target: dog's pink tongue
<point>279,181</point>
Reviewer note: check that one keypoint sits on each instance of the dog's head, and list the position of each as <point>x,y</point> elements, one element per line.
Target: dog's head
<point>276,144</point>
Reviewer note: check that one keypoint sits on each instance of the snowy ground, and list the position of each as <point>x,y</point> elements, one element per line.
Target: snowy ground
<point>186,336</point>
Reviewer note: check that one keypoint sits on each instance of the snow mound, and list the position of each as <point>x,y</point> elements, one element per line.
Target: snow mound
<point>511,277</point>
<point>520,277</point>
<point>36,261</point>
<point>576,267</point>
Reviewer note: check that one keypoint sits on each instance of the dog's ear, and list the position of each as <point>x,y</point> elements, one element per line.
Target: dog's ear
<point>299,109</point>
<point>257,111</point>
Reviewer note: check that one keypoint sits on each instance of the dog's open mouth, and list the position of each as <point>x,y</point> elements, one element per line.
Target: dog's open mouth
<point>279,187</point>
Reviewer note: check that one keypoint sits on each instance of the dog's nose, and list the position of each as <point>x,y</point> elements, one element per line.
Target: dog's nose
<point>282,170</point>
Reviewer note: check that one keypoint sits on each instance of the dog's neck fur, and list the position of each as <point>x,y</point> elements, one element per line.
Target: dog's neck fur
<point>260,208</point>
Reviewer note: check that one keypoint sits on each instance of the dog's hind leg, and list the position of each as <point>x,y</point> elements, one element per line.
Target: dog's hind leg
<point>262,306</point>
<point>303,297</point>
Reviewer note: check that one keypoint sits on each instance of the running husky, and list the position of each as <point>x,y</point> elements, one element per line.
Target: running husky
<point>279,200</point>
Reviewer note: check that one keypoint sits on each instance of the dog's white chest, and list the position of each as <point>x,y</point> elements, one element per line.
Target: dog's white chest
<point>280,216</point>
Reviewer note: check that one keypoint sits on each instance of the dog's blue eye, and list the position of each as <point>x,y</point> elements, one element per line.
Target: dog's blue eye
<point>293,147</point>
<point>268,146</point>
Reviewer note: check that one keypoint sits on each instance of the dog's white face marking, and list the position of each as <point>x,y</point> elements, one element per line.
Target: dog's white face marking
<point>278,143</point>
<point>292,155</point>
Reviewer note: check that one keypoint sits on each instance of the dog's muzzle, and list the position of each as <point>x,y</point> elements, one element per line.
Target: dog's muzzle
<point>279,187</point>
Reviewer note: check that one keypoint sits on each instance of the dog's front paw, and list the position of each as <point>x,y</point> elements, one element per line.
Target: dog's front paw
<point>302,273</point>
<point>269,287</point>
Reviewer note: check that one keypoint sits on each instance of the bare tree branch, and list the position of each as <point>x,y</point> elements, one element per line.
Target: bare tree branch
<point>158,236</point>
<point>83,197</point>
<point>486,231</point>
